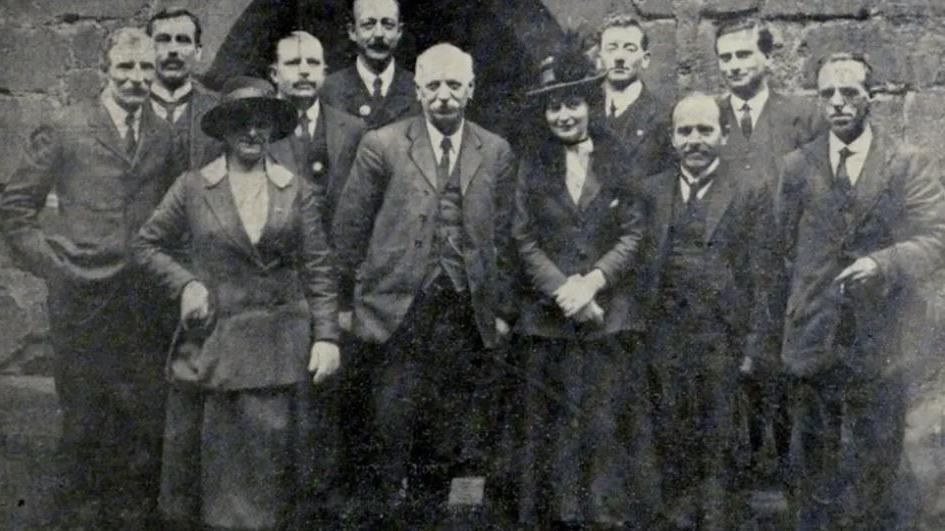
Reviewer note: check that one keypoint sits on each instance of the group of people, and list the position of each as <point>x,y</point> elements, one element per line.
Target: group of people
<point>330,302</point>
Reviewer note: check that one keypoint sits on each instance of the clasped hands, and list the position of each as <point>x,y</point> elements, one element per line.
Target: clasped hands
<point>576,297</point>
<point>324,357</point>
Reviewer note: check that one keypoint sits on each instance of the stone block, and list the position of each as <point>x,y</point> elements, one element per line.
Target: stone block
<point>924,115</point>
<point>661,74</point>
<point>886,45</point>
<point>729,7</point>
<point>32,60</point>
<point>925,57</point>
<point>819,8</point>
<point>18,117</point>
<point>654,8</point>
<point>83,84</point>
<point>44,11</point>
<point>23,318</point>
<point>86,41</point>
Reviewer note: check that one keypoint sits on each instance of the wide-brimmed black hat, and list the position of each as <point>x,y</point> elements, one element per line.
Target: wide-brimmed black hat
<point>568,70</point>
<point>244,97</point>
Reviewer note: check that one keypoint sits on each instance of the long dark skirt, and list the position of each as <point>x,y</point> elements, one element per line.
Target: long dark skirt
<point>587,454</point>
<point>255,459</point>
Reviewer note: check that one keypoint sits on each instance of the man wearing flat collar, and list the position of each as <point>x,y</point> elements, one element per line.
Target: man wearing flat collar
<point>639,118</point>
<point>326,138</point>
<point>863,221</point>
<point>422,236</point>
<point>176,97</point>
<point>375,88</point>
<point>109,161</point>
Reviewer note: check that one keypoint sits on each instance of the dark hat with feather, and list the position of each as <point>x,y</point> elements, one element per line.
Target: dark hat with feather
<point>569,70</point>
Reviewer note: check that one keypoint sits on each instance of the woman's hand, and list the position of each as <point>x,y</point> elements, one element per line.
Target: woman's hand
<point>578,291</point>
<point>324,360</point>
<point>194,304</point>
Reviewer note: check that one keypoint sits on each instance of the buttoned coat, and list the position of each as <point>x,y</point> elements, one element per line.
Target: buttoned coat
<point>385,223</point>
<point>343,133</point>
<point>104,195</point>
<point>557,238</point>
<point>345,90</point>
<point>897,219</point>
<point>740,266</point>
<point>270,300</point>
<point>644,127</point>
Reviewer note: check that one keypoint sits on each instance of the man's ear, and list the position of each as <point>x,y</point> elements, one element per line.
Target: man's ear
<point>472,88</point>
<point>199,53</point>
<point>272,73</point>
<point>351,33</point>
<point>645,60</point>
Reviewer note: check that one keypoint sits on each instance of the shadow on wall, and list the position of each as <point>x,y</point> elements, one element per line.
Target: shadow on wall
<point>506,39</point>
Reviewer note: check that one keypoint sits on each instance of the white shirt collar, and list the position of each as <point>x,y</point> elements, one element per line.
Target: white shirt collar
<point>756,103</point>
<point>118,114</point>
<point>312,113</point>
<point>688,179</point>
<point>167,95</point>
<point>860,148</point>
<point>367,76</point>
<point>436,138</point>
<point>622,99</point>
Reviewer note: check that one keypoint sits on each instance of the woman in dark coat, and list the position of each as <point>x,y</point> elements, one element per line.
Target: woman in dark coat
<point>240,243</point>
<point>587,456</point>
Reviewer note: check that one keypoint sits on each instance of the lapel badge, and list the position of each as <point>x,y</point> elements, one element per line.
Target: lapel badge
<point>365,110</point>
<point>614,203</point>
<point>639,132</point>
<point>317,166</point>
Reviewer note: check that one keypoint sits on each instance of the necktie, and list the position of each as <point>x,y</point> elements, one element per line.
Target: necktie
<point>378,85</point>
<point>613,109</point>
<point>745,121</point>
<point>170,107</point>
<point>443,168</point>
<point>131,143</point>
<point>303,131</point>
<point>696,186</point>
<point>842,175</point>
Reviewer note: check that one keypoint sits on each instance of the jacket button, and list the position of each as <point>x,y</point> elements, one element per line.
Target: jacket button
<point>423,217</point>
<point>418,243</point>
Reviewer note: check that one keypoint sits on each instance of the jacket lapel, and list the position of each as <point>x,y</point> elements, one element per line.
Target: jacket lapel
<point>146,132</point>
<point>281,197</point>
<point>873,179</point>
<point>220,200</point>
<point>421,152</point>
<point>667,187</point>
<point>469,157</point>
<point>719,197</point>
<point>334,134</point>
<point>106,133</point>
<point>592,185</point>
<point>284,154</point>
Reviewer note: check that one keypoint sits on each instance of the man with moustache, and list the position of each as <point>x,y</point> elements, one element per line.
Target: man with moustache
<point>109,162</point>
<point>323,145</point>
<point>176,97</point>
<point>375,88</point>
<point>633,112</point>
<point>864,219</point>
<point>423,228</point>
<point>706,284</point>
<point>767,125</point>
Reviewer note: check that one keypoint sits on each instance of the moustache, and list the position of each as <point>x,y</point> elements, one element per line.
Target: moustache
<point>696,149</point>
<point>177,63</point>
<point>303,84</point>
<point>379,45</point>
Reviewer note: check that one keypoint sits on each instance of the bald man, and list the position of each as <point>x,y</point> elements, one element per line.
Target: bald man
<point>707,284</point>
<point>324,142</point>
<point>424,221</point>
<point>109,161</point>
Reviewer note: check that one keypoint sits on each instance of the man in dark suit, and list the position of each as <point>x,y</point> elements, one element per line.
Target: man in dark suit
<point>864,219</point>
<point>176,97</point>
<point>326,138</point>
<point>639,118</point>
<point>423,228</point>
<point>109,162</point>
<point>375,87</point>
<point>706,283</point>
<point>766,126</point>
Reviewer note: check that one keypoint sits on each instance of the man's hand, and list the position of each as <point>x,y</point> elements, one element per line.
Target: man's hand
<point>578,291</point>
<point>501,327</point>
<point>344,321</point>
<point>859,271</point>
<point>194,304</point>
<point>747,368</point>
<point>324,360</point>
<point>591,313</point>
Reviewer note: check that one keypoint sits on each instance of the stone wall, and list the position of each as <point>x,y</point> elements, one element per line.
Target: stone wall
<point>49,53</point>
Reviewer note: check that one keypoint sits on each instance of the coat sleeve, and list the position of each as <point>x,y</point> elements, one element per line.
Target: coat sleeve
<point>546,276</point>
<point>765,274</point>
<point>920,231</point>
<point>24,197</point>
<point>358,204</point>
<point>506,256</point>
<point>318,272</point>
<point>155,244</point>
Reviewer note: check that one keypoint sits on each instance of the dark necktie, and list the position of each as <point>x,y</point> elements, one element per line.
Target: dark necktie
<point>131,143</point>
<point>613,109</point>
<point>443,168</point>
<point>378,85</point>
<point>745,121</point>
<point>696,186</point>
<point>304,123</point>
<point>842,175</point>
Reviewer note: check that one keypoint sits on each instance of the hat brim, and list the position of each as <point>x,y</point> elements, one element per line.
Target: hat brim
<point>232,115</point>
<point>568,86</point>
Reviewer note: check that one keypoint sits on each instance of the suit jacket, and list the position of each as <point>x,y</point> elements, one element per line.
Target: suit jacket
<point>343,133</point>
<point>269,299</point>
<point>345,90</point>
<point>200,147</point>
<point>645,130</point>
<point>740,262</point>
<point>897,219</point>
<point>785,124</point>
<point>384,225</point>
<point>557,238</point>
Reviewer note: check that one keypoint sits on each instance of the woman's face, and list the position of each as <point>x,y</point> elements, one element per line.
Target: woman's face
<point>567,117</point>
<point>248,143</point>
